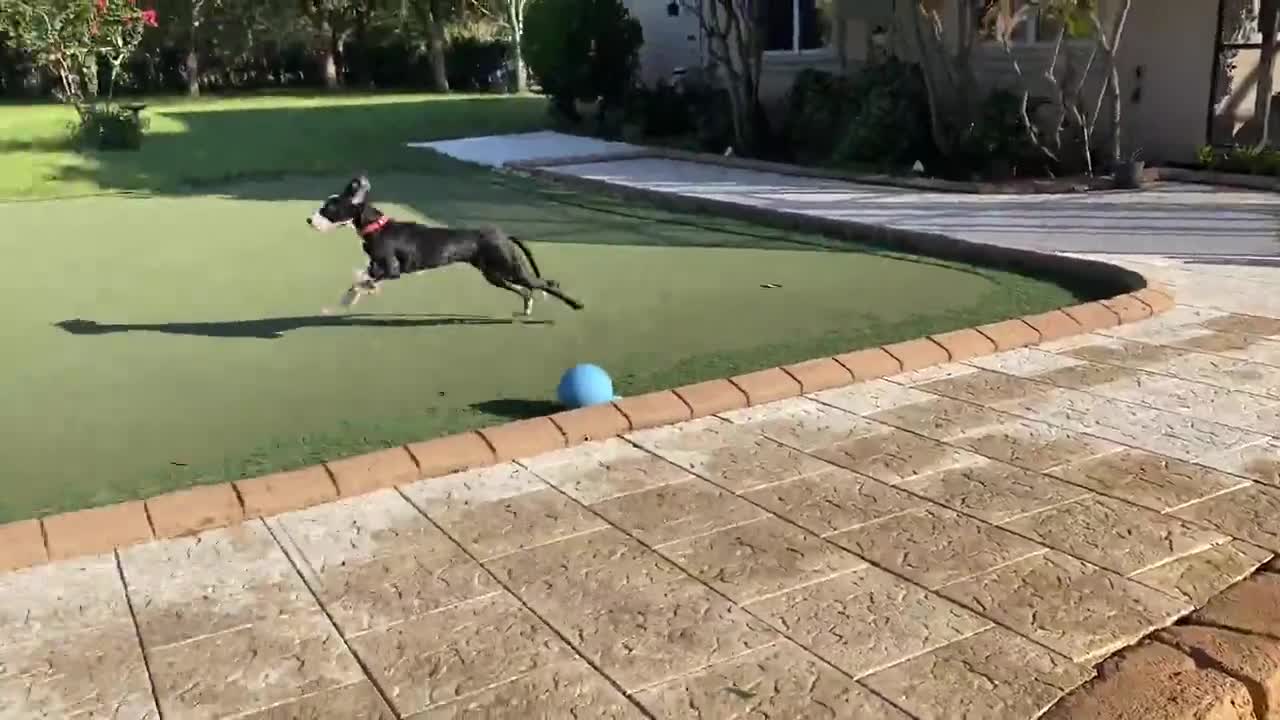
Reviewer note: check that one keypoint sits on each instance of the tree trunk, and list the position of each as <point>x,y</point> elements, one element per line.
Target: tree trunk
<point>432,18</point>
<point>91,77</point>
<point>439,63</point>
<point>928,68</point>
<point>329,67</point>
<point>330,49</point>
<point>358,63</point>
<point>193,72</point>
<point>193,53</point>
<point>516,11</point>
<point>1262,104</point>
<point>1109,44</point>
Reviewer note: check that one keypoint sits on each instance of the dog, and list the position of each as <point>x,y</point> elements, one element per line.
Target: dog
<point>396,248</point>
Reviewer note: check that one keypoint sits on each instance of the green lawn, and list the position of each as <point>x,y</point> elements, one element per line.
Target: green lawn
<point>202,142</point>
<point>171,336</point>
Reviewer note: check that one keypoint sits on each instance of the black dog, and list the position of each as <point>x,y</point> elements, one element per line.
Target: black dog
<point>398,248</point>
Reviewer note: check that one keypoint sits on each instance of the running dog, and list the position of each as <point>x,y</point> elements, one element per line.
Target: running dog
<point>398,248</point>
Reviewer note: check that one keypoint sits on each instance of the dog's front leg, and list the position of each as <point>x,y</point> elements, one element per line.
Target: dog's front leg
<point>364,285</point>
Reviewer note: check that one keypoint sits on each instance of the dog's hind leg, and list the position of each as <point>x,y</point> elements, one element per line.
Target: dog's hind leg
<point>552,288</point>
<point>526,295</point>
<point>521,277</point>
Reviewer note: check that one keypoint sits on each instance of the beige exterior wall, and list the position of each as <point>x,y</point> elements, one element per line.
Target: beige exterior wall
<point>1233,119</point>
<point>1164,63</point>
<point>669,42</point>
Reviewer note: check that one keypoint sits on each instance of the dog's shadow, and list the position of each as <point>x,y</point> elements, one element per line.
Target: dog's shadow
<point>275,328</point>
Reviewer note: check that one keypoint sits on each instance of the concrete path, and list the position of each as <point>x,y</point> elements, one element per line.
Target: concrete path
<point>500,150</point>
<point>966,541</point>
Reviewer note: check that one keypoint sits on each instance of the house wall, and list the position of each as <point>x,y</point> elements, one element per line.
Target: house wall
<point>669,42</point>
<point>849,49</point>
<point>1233,121</point>
<point>1164,64</point>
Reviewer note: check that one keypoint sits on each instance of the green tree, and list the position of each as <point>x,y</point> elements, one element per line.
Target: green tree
<point>734,33</point>
<point>67,36</point>
<point>510,15</point>
<point>433,15</point>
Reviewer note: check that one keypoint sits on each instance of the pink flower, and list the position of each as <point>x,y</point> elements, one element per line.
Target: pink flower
<point>149,18</point>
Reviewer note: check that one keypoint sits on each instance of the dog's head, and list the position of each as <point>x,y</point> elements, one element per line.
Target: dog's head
<point>343,208</point>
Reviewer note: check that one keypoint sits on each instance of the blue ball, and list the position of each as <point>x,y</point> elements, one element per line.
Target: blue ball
<point>583,385</point>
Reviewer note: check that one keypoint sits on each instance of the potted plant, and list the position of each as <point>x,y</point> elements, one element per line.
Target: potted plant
<point>1130,173</point>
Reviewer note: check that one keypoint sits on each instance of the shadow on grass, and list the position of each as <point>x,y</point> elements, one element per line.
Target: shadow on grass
<point>43,144</point>
<point>274,328</point>
<point>515,409</point>
<point>199,146</point>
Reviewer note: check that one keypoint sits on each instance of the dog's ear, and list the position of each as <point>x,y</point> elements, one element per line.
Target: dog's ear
<point>359,189</point>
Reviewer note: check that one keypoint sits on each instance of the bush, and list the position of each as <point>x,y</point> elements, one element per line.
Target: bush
<point>1245,160</point>
<point>877,116</point>
<point>660,111</point>
<point>109,127</point>
<point>997,146</point>
<point>472,63</point>
<point>582,50</point>
<point>713,119</point>
<point>890,125</point>
<point>396,64</point>
<point>819,108</point>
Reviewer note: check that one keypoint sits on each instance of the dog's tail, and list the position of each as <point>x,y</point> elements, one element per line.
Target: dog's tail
<point>525,249</point>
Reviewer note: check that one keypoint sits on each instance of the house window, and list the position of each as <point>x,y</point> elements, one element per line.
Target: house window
<point>797,25</point>
<point>1037,26</point>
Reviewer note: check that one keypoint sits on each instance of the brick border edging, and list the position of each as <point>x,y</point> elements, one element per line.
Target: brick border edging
<point>26,543</point>
<point>1222,661</point>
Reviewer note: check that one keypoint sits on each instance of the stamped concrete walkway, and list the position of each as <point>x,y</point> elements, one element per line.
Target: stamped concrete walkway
<point>962,542</point>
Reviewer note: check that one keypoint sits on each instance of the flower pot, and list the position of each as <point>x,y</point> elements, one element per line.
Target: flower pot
<point>1130,175</point>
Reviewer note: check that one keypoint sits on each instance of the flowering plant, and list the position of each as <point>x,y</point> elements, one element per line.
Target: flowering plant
<point>68,36</point>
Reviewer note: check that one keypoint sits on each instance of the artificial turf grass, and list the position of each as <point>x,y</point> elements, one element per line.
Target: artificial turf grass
<point>194,354</point>
<point>227,372</point>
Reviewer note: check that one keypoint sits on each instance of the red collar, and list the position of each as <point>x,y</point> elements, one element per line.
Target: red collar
<point>374,226</point>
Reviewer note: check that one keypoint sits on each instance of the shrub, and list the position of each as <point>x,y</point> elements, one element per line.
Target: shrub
<point>997,146</point>
<point>581,50</point>
<point>68,38</point>
<point>397,63</point>
<point>819,107</point>
<point>877,116</point>
<point>891,125</point>
<point>1206,156</point>
<point>1246,160</point>
<point>713,119</point>
<point>109,127</point>
<point>472,62</point>
<point>660,111</point>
